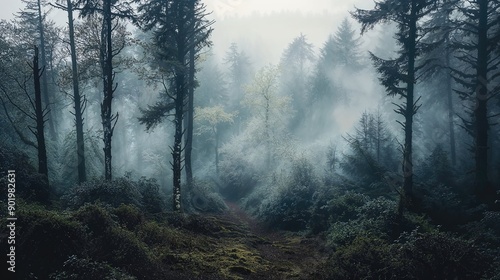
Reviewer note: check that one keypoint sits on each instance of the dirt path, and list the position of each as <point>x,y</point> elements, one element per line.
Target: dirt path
<point>291,256</point>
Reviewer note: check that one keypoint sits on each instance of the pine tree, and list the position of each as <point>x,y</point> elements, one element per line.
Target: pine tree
<point>295,65</point>
<point>179,28</point>
<point>399,75</point>
<point>479,51</point>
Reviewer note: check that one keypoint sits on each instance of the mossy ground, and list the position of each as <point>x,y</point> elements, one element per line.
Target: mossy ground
<point>121,242</point>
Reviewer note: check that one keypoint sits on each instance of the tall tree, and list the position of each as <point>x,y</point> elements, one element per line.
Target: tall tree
<point>33,19</point>
<point>178,28</point>
<point>78,99</point>
<point>399,75</point>
<point>346,47</point>
<point>110,11</point>
<point>268,107</point>
<point>212,119</point>
<point>296,63</point>
<point>40,114</point>
<point>480,51</point>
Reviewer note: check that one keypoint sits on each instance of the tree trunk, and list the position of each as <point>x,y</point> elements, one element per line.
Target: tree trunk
<point>180,95</point>
<point>177,149</point>
<point>106,115</point>
<point>451,110</point>
<point>480,111</point>
<point>190,118</point>
<point>39,112</point>
<point>45,90</point>
<point>409,109</point>
<point>216,135</point>
<point>79,107</point>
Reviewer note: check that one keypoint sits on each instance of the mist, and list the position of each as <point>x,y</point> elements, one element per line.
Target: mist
<point>237,139</point>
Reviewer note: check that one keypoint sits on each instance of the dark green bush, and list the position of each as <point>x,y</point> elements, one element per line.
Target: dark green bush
<point>144,194</point>
<point>113,192</point>
<point>290,207</point>
<point>128,216</point>
<point>413,256</point>
<point>238,177</point>
<point>375,217</point>
<point>152,200</point>
<point>31,185</point>
<point>333,205</point>
<point>45,240</point>
<point>202,197</point>
<point>76,268</point>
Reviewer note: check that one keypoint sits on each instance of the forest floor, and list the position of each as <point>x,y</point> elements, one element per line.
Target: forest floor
<point>280,255</point>
<point>242,248</point>
<point>101,241</point>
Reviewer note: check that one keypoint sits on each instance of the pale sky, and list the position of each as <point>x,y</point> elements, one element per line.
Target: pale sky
<point>223,8</point>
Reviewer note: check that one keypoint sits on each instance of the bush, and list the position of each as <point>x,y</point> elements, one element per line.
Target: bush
<point>238,177</point>
<point>413,256</point>
<point>47,240</point>
<point>144,194</point>
<point>152,200</point>
<point>76,268</point>
<point>290,207</point>
<point>128,216</point>
<point>113,192</point>
<point>202,197</point>
<point>35,186</point>
<point>375,217</point>
<point>332,205</point>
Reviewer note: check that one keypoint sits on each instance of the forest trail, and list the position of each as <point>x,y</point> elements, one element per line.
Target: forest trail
<point>288,255</point>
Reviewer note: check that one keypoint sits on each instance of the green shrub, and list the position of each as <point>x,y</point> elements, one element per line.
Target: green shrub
<point>76,268</point>
<point>412,256</point>
<point>45,239</point>
<point>290,207</point>
<point>333,205</point>
<point>364,258</point>
<point>440,256</point>
<point>374,218</point>
<point>128,216</point>
<point>113,192</point>
<point>31,185</point>
<point>144,194</point>
<point>238,176</point>
<point>152,200</point>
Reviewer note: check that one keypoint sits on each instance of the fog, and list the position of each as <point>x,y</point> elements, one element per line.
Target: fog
<point>254,140</point>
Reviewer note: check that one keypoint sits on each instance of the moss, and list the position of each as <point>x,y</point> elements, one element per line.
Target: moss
<point>46,240</point>
<point>129,216</point>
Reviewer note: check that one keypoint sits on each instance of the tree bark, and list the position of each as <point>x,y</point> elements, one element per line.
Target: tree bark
<point>451,110</point>
<point>190,118</point>
<point>106,116</point>
<point>79,106</point>
<point>39,112</point>
<point>409,109</point>
<point>44,84</point>
<point>180,94</point>
<point>480,111</point>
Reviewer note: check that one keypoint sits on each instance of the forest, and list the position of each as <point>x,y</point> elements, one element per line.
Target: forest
<point>162,139</point>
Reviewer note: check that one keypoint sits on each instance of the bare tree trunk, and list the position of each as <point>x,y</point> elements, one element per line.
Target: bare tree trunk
<point>40,115</point>
<point>108,75</point>
<point>216,135</point>
<point>451,110</point>
<point>190,119</point>
<point>45,90</point>
<point>177,149</point>
<point>480,111</point>
<point>79,105</point>
<point>410,109</point>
